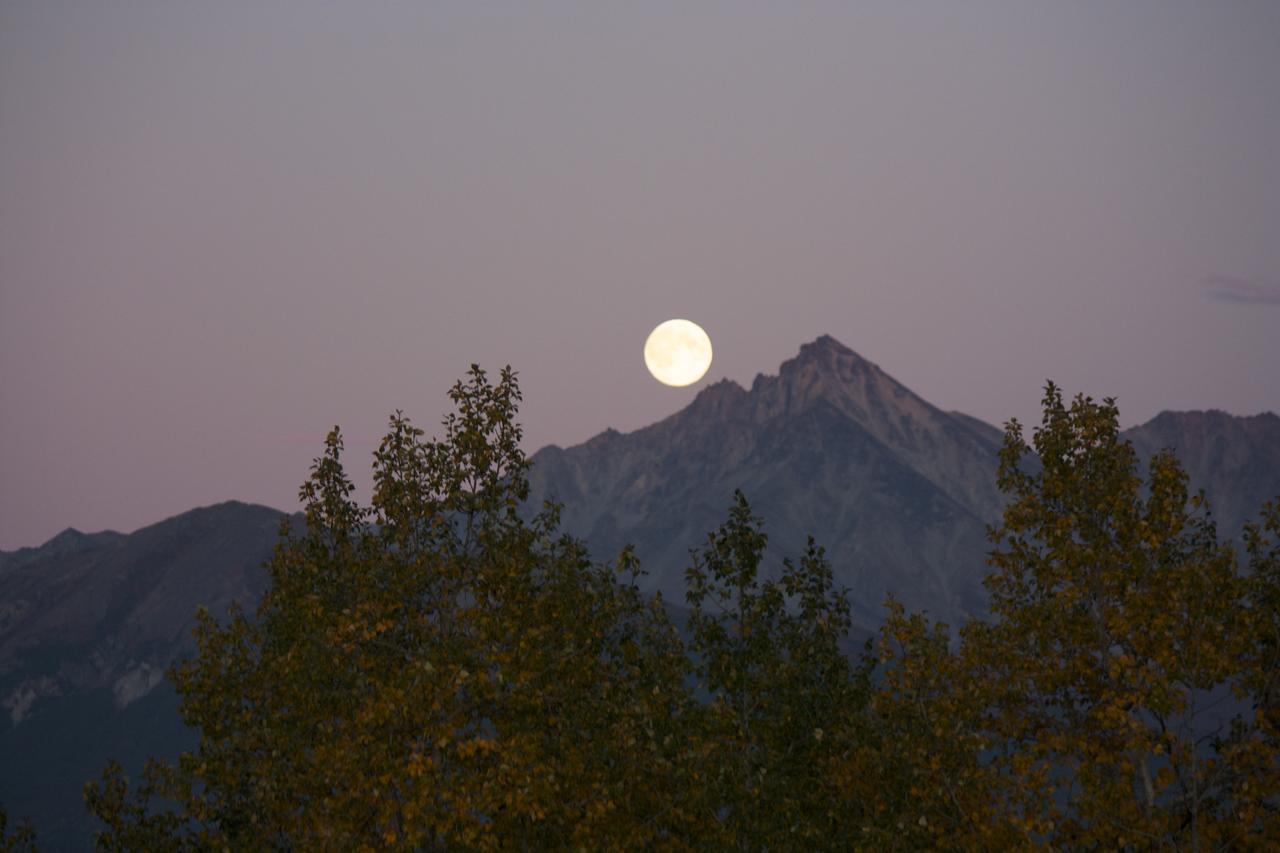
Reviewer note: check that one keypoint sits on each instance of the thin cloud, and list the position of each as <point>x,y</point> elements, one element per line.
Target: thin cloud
<point>1241,291</point>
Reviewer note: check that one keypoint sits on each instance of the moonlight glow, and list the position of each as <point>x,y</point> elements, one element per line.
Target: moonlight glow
<point>677,353</point>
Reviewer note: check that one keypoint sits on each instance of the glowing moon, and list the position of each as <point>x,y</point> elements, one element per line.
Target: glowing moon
<point>677,353</point>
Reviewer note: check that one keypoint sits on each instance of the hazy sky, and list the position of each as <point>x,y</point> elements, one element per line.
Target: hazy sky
<point>226,226</point>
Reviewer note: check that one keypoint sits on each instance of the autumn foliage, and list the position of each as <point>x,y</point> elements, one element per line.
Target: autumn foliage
<point>439,670</point>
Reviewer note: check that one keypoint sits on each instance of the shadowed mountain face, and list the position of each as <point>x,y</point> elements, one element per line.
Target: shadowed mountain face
<point>896,490</point>
<point>115,610</point>
<point>1235,460</point>
<point>66,543</point>
<point>88,626</point>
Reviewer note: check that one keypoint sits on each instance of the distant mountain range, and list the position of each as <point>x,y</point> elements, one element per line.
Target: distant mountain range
<point>898,491</point>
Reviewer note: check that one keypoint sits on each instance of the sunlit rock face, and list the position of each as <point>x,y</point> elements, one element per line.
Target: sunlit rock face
<point>23,696</point>
<point>137,681</point>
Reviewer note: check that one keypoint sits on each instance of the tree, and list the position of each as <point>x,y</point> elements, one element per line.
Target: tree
<point>1117,639</point>
<point>431,671</point>
<point>23,836</point>
<point>1252,751</point>
<point>1097,700</point>
<point>916,772</point>
<point>766,655</point>
<point>438,670</point>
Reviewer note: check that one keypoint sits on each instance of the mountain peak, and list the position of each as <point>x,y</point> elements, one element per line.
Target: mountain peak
<point>68,541</point>
<point>824,343</point>
<point>823,369</point>
<point>1201,417</point>
<point>717,393</point>
<point>825,348</point>
<point>67,536</point>
<point>826,356</point>
<point>824,382</point>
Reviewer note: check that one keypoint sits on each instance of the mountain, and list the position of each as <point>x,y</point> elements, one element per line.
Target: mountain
<point>88,626</point>
<point>1236,460</point>
<point>896,490</point>
<point>69,541</point>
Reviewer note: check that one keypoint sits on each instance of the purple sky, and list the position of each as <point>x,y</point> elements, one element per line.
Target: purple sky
<point>226,226</point>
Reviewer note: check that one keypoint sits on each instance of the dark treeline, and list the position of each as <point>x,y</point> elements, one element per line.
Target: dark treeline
<point>438,671</point>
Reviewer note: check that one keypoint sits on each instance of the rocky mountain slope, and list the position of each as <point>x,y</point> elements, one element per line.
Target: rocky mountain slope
<point>1236,460</point>
<point>88,626</point>
<point>897,491</point>
<point>68,542</point>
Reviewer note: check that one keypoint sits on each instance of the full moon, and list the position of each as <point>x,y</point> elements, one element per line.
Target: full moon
<point>677,353</point>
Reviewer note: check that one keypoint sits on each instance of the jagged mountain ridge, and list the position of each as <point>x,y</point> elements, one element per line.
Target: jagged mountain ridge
<point>897,490</point>
<point>1235,460</point>
<point>69,541</point>
<point>89,623</point>
<point>113,595</point>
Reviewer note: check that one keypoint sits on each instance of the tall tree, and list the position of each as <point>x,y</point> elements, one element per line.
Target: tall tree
<point>431,671</point>
<point>1252,752</point>
<point>917,771</point>
<point>436,670</point>
<point>22,838</point>
<point>1106,699</point>
<point>767,658</point>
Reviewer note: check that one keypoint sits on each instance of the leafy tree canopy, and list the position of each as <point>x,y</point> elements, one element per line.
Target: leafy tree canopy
<point>23,836</point>
<point>438,671</point>
<point>1122,694</point>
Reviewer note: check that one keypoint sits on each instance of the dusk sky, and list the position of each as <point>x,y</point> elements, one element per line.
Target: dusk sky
<point>227,226</point>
